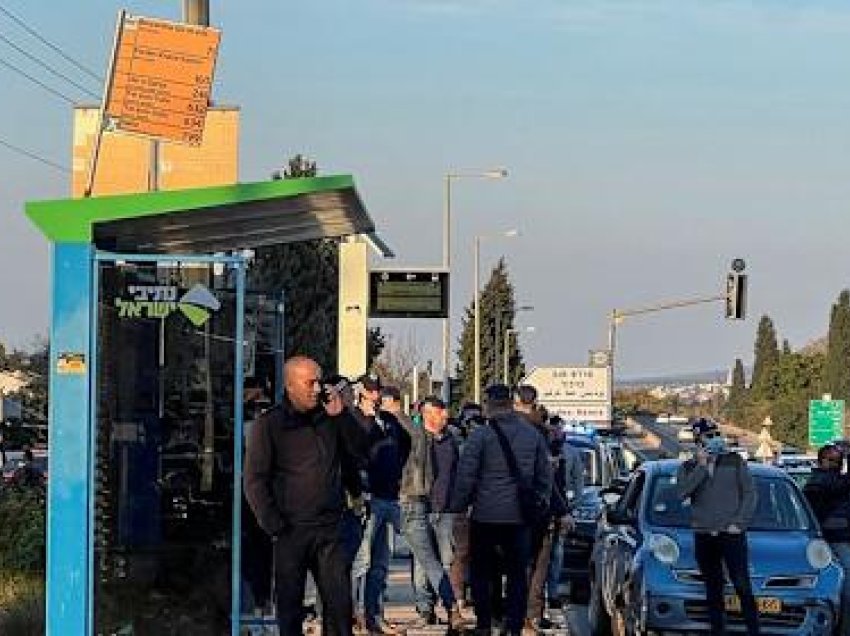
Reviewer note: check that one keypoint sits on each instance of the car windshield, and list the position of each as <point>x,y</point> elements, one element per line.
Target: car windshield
<point>779,507</point>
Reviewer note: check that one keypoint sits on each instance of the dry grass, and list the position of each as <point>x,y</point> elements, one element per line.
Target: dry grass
<point>21,604</point>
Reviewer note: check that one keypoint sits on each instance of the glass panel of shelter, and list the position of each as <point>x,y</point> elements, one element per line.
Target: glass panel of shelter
<point>163,480</point>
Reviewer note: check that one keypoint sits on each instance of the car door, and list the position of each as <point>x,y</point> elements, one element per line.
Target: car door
<point>624,539</point>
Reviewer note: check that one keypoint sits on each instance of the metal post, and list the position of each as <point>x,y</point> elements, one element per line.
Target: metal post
<point>101,119</point>
<point>196,12</point>
<point>612,337</point>
<point>477,296</point>
<point>415,383</point>
<point>447,231</point>
<point>506,371</point>
<point>497,346</point>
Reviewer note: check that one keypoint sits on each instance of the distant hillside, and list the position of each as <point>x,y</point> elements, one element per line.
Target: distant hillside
<point>696,377</point>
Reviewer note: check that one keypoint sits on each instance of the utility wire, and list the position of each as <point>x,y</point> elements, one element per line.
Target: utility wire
<point>59,94</point>
<point>49,44</point>
<point>49,68</point>
<point>34,156</point>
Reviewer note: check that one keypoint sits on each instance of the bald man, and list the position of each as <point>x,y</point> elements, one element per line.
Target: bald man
<point>293,483</point>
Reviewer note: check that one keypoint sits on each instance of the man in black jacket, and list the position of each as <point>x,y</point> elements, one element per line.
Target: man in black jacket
<point>499,531</point>
<point>828,491</point>
<point>293,483</point>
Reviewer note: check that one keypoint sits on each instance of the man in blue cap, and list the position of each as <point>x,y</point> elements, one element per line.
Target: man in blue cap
<point>723,499</point>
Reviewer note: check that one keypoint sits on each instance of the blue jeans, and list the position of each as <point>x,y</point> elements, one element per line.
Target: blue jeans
<point>553,580</point>
<point>842,555</point>
<point>421,536</point>
<point>372,563</point>
<point>423,592</point>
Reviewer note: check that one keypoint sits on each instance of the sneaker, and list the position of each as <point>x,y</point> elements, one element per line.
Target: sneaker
<point>457,623</point>
<point>359,623</point>
<point>545,623</point>
<point>423,621</point>
<point>381,627</point>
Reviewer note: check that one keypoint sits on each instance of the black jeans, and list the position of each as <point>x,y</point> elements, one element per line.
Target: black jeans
<point>491,545</point>
<point>712,552</point>
<point>317,549</point>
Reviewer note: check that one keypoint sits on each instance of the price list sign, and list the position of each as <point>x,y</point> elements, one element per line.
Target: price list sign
<point>162,74</point>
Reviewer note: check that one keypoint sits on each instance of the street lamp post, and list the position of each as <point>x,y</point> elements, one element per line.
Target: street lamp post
<point>508,334</point>
<point>498,336</point>
<point>496,173</point>
<point>477,304</point>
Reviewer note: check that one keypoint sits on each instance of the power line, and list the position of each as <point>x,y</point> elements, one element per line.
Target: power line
<point>49,68</point>
<point>59,94</point>
<point>49,44</point>
<point>31,155</point>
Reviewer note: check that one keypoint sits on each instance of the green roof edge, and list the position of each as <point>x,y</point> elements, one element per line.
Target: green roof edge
<point>72,220</point>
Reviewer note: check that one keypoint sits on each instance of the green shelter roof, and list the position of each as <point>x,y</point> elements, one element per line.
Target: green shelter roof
<point>212,219</point>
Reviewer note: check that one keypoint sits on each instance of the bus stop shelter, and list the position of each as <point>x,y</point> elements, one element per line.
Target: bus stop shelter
<point>148,364</point>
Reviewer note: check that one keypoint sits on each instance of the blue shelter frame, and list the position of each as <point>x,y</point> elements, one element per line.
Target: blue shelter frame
<point>180,226</point>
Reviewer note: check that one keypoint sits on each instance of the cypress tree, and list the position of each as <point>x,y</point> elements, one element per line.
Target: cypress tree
<point>837,368</point>
<point>766,357</point>
<point>496,296</point>
<point>738,388</point>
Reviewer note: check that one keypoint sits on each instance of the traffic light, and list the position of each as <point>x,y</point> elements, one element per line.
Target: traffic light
<point>736,296</point>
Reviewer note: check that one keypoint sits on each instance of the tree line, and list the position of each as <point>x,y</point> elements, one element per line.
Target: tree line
<point>784,381</point>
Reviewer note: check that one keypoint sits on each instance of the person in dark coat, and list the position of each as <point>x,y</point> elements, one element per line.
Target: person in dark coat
<point>828,492</point>
<point>293,483</point>
<point>498,530</point>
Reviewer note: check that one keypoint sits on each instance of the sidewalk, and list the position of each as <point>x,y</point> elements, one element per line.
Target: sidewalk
<point>399,609</point>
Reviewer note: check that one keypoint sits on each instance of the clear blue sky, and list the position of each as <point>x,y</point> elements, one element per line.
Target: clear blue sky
<point>648,143</point>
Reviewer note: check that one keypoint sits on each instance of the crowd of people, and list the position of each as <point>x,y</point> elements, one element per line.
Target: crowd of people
<point>483,501</point>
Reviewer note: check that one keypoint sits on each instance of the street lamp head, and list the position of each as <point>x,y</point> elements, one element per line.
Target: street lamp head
<point>496,173</point>
<point>530,329</point>
<point>525,308</point>
<point>511,233</point>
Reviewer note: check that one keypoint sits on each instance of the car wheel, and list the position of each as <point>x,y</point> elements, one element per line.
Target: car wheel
<point>597,615</point>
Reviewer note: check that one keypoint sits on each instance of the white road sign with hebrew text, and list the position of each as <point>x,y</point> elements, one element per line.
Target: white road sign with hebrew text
<point>574,393</point>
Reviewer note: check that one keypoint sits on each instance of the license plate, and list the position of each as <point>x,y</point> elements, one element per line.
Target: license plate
<point>765,604</point>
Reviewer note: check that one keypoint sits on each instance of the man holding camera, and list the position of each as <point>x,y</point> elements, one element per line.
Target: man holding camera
<point>293,483</point>
<point>389,446</point>
<point>723,499</point>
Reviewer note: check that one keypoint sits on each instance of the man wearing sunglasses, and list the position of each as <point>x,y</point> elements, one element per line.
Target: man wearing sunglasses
<point>723,499</point>
<point>828,491</point>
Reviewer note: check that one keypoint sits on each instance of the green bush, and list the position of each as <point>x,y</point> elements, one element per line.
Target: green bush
<point>22,530</point>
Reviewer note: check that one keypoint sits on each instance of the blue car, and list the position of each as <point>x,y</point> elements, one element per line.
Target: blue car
<point>646,581</point>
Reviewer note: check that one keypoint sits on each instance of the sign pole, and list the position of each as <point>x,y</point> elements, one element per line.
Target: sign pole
<point>104,99</point>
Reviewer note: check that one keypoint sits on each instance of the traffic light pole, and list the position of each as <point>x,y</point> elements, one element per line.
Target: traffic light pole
<point>618,315</point>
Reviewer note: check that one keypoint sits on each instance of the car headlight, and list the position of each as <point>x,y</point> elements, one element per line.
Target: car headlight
<point>818,554</point>
<point>664,548</point>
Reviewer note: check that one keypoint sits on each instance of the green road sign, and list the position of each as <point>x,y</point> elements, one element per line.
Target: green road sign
<point>826,421</point>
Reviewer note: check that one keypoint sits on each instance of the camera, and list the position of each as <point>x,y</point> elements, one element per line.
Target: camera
<point>325,392</point>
